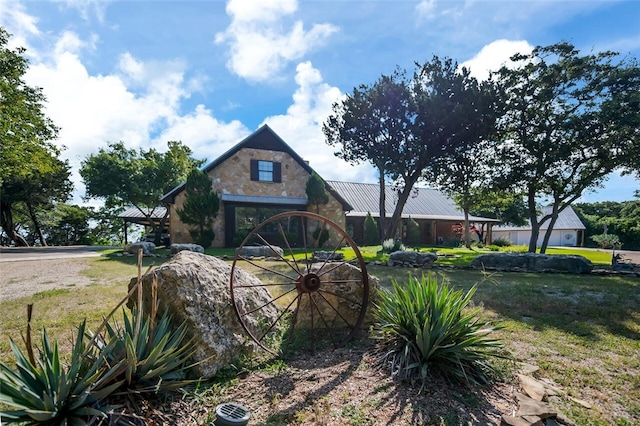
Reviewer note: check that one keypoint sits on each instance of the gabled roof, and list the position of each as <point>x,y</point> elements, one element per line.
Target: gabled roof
<point>567,219</point>
<point>134,215</point>
<point>266,139</point>
<point>424,203</point>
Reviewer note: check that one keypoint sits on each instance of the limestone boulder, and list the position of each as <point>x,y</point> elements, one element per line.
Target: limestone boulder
<point>195,288</point>
<point>412,259</point>
<point>533,262</point>
<point>322,256</point>
<point>341,285</point>
<point>148,248</point>
<point>176,248</point>
<point>261,251</point>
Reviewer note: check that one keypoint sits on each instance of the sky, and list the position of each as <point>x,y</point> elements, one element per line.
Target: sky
<point>209,73</point>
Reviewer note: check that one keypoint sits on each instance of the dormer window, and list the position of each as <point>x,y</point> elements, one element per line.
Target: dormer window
<point>265,171</point>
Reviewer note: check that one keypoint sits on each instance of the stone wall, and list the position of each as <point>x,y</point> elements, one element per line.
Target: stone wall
<point>233,177</point>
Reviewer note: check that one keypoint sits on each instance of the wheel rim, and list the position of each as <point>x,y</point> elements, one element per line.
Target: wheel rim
<point>300,302</point>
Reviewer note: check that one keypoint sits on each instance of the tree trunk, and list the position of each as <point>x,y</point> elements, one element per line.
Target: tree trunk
<point>533,219</point>
<point>547,235</point>
<point>36,225</point>
<point>467,238</point>
<point>382,207</point>
<point>6,221</point>
<point>402,200</point>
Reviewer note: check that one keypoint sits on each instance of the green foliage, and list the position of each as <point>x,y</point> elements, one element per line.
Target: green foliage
<point>424,328</point>
<point>200,207</point>
<point>501,242</point>
<point>123,177</point>
<point>391,245</point>
<point>607,241</point>
<point>413,237</point>
<point>620,218</point>
<point>154,355</point>
<point>48,392</point>
<point>569,121</point>
<point>371,237</point>
<point>31,174</point>
<point>320,236</point>
<point>316,191</point>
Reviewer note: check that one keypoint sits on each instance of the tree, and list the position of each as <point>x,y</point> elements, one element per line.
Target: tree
<point>316,191</point>
<point>400,125</point>
<point>370,125</point>
<point>30,171</point>
<point>122,176</point>
<point>569,121</point>
<point>371,235</point>
<point>463,171</point>
<point>200,207</point>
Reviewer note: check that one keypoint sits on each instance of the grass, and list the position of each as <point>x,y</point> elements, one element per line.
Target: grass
<point>582,331</point>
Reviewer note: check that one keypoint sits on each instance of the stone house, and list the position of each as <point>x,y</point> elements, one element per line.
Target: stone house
<point>256,179</point>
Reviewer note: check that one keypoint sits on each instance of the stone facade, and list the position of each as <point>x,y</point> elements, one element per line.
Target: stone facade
<point>233,177</point>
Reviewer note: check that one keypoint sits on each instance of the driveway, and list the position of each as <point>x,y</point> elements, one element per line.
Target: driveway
<point>18,254</point>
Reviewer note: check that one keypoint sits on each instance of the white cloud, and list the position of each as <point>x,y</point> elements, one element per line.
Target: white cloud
<point>139,105</point>
<point>259,44</point>
<point>426,9</point>
<point>87,8</point>
<point>18,23</point>
<point>301,127</point>
<point>494,55</point>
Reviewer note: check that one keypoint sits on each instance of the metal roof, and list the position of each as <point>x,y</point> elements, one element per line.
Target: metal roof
<point>567,219</point>
<point>134,215</point>
<point>424,203</point>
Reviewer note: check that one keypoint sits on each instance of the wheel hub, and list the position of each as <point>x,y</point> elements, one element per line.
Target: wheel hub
<point>308,283</point>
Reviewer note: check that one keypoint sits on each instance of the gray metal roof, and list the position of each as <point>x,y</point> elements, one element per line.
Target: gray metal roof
<point>567,219</point>
<point>424,203</point>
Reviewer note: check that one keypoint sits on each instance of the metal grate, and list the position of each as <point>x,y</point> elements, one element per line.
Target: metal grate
<point>231,414</point>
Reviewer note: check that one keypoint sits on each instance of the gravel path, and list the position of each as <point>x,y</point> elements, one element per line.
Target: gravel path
<point>23,278</point>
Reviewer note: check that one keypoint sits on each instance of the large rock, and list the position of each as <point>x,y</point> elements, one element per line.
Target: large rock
<point>343,289</point>
<point>533,262</point>
<point>147,248</point>
<point>176,248</point>
<point>195,288</point>
<point>261,251</point>
<point>412,259</point>
<point>324,256</point>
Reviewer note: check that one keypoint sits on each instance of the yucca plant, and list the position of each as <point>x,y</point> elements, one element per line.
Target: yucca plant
<point>46,391</point>
<point>425,328</point>
<point>155,356</point>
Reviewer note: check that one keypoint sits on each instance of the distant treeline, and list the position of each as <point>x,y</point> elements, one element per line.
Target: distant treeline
<point>621,219</point>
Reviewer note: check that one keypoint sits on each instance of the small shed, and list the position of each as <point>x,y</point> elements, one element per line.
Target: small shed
<point>158,216</point>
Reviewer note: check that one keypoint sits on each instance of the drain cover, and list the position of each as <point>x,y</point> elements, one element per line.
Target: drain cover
<point>231,414</point>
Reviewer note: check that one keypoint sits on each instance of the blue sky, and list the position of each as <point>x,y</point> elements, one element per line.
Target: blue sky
<point>209,73</point>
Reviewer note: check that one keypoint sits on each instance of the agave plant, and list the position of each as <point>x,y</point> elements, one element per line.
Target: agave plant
<point>49,392</point>
<point>424,328</point>
<point>155,356</point>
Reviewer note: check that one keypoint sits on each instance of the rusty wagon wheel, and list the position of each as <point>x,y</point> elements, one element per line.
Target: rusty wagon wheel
<point>306,297</point>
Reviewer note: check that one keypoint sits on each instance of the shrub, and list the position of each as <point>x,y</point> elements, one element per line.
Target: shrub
<point>391,245</point>
<point>47,391</point>
<point>501,242</point>
<point>413,233</point>
<point>607,241</point>
<point>154,355</point>
<point>422,330</point>
<point>320,236</point>
<point>371,237</point>
<point>493,247</point>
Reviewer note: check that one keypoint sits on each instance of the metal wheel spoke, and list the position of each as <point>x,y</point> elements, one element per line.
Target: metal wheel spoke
<point>268,303</point>
<point>336,311</point>
<point>293,258</point>
<point>340,296</point>
<point>277,319</point>
<point>273,250</point>
<point>251,262</point>
<point>326,326</point>
<point>334,267</point>
<point>293,324</point>
<point>266,285</point>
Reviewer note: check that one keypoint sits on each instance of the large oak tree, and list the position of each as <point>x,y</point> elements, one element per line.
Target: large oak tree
<point>122,176</point>
<point>570,120</point>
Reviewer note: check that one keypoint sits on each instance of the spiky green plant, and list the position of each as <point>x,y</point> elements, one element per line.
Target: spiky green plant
<point>49,392</point>
<point>155,356</point>
<point>425,328</point>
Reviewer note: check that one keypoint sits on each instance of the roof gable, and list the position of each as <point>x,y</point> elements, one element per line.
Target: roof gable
<point>265,139</point>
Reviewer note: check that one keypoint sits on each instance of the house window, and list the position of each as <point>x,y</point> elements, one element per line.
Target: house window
<point>265,171</point>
